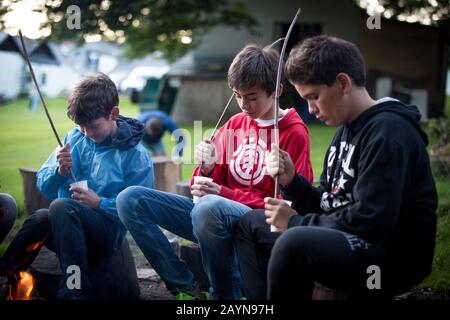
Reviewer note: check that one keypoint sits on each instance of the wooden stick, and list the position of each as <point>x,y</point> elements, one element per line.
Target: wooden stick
<point>277,104</point>
<point>226,108</point>
<point>277,94</point>
<point>27,59</point>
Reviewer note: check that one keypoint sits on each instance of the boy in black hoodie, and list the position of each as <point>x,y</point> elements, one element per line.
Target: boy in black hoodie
<point>369,228</point>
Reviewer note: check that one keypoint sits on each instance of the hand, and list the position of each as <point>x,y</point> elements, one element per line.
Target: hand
<point>278,213</point>
<point>87,197</point>
<point>202,188</point>
<point>205,153</point>
<point>278,162</point>
<point>64,159</point>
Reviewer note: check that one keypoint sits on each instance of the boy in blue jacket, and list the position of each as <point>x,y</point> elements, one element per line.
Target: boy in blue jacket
<point>103,149</point>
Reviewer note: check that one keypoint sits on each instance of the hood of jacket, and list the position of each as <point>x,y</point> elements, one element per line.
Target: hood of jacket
<point>409,112</point>
<point>129,134</point>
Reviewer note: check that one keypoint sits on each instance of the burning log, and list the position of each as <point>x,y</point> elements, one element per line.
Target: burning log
<point>112,277</point>
<point>23,289</point>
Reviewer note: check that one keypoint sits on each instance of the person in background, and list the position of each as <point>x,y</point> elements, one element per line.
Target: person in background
<point>156,123</point>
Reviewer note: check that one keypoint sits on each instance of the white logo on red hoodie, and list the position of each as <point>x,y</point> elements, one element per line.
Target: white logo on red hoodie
<point>248,163</point>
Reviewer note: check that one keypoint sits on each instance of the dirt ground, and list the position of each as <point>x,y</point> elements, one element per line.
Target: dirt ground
<point>151,285</point>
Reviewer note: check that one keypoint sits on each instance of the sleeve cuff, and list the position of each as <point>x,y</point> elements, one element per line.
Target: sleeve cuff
<point>103,205</point>
<point>226,193</point>
<point>294,221</point>
<point>57,177</point>
<point>297,186</point>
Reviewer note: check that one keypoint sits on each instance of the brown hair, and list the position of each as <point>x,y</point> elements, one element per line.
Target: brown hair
<point>92,98</point>
<point>318,60</point>
<point>154,127</point>
<point>254,66</point>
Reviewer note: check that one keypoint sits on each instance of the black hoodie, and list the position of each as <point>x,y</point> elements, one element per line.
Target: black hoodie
<point>380,187</point>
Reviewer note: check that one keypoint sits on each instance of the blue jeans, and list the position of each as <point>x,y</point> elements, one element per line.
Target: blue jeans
<point>142,210</point>
<point>213,219</point>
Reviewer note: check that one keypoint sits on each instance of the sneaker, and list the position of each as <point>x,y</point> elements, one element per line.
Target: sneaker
<point>195,294</point>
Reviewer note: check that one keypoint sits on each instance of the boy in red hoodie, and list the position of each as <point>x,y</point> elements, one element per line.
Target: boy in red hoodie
<point>235,161</point>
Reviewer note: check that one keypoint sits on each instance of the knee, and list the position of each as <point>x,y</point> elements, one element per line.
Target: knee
<point>61,208</point>
<point>61,204</point>
<point>8,209</point>
<point>128,201</point>
<point>38,217</point>
<point>205,211</point>
<point>8,214</point>
<point>250,221</point>
<point>300,242</point>
<point>293,242</point>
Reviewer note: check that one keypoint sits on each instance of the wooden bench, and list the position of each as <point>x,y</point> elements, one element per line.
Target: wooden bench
<point>167,174</point>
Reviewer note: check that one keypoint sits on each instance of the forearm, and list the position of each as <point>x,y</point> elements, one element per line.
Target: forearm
<point>305,198</point>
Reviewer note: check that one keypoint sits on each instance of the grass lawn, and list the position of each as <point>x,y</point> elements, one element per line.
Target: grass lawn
<point>26,140</point>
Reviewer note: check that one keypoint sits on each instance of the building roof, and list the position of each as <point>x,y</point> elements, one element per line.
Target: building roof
<point>12,44</point>
<point>151,60</point>
<point>43,52</point>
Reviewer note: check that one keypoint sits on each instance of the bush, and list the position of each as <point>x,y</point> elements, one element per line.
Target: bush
<point>438,131</point>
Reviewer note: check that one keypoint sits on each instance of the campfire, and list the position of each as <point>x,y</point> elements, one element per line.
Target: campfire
<point>22,290</point>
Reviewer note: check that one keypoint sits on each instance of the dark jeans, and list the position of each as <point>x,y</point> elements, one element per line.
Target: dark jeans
<point>286,265</point>
<point>75,232</point>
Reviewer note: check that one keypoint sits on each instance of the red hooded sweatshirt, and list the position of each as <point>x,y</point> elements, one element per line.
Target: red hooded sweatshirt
<point>242,146</point>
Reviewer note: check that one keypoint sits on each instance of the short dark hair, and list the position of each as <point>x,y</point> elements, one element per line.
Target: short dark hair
<point>92,98</point>
<point>254,66</point>
<point>154,126</point>
<point>318,60</point>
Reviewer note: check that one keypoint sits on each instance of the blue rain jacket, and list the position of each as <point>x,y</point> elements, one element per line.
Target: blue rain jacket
<point>109,167</point>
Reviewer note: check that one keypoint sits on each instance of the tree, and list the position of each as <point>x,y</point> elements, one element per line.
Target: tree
<point>143,26</point>
<point>430,12</point>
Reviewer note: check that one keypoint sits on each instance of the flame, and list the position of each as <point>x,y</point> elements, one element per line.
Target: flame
<point>35,246</point>
<point>25,284</point>
<point>23,289</point>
